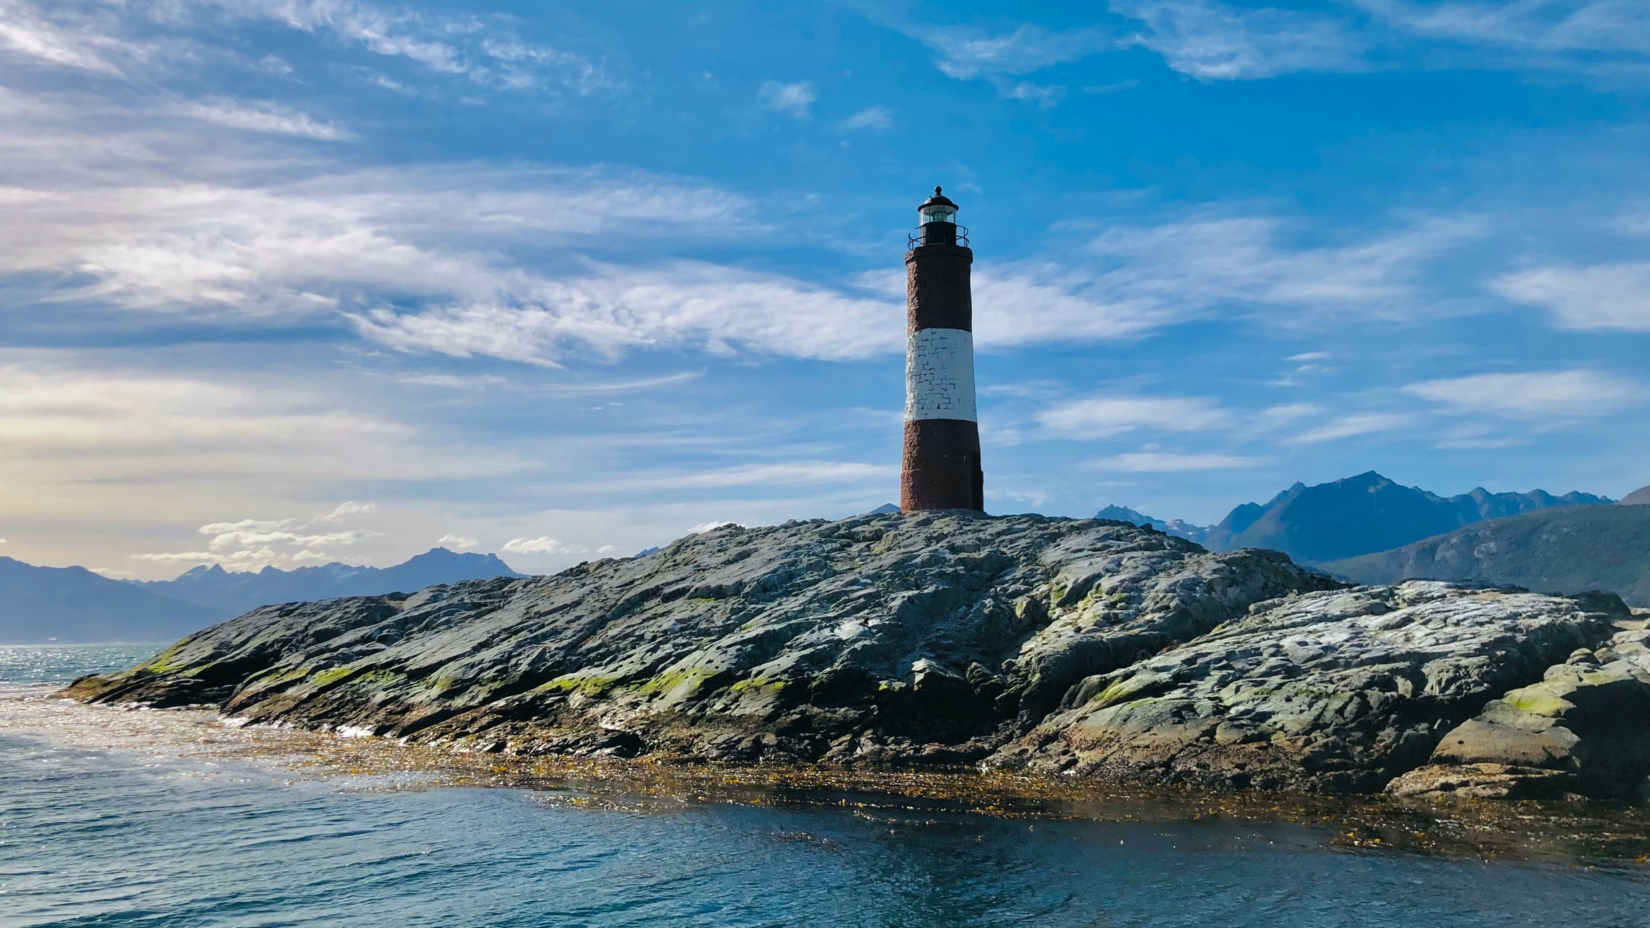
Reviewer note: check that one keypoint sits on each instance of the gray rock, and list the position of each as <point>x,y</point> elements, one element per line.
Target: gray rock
<point>1082,647</point>
<point>930,636</point>
<point>1333,691</point>
<point>1586,725</point>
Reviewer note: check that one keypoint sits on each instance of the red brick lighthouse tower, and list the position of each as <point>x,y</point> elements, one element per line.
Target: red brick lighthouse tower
<point>942,436</point>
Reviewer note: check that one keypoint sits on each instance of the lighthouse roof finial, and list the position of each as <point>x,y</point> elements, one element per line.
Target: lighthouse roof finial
<point>938,199</point>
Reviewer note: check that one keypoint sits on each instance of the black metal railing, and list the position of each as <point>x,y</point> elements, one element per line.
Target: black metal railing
<point>935,233</point>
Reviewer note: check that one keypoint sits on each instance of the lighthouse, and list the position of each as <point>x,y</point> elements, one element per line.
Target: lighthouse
<point>941,469</point>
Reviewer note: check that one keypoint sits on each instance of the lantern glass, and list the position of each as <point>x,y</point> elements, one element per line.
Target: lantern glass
<point>938,213</point>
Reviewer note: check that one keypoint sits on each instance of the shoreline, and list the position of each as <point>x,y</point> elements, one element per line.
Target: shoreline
<point>1580,834</point>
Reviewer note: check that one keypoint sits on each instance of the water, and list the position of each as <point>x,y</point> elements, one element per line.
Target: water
<point>60,663</point>
<point>125,818</point>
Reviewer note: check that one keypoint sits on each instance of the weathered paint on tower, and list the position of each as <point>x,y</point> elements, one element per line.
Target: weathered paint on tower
<point>942,435</point>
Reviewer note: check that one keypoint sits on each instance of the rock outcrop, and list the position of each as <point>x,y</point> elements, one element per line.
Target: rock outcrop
<point>1583,730</point>
<point>1082,647</point>
<point>1336,691</point>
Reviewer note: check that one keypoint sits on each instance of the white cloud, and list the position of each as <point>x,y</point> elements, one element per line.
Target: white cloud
<point>784,474</point>
<point>1533,395</point>
<point>456,542</point>
<point>1350,426</point>
<point>1597,298</point>
<point>346,509</point>
<point>541,545</point>
<point>85,45</point>
<point>1619,26</point>
<point>1212,41</point>
<point>1156,462</point>
<point>469,46</point>
<point>264,117</point>
<point>1105,416</point>
<point>1132,280</point>
<point>967,53</point>
<point>1275,416</point>
<point>251,544</point>
<point>183,557</point>
<point>704,527</point>
<point>794,99</point>
<point>874,117</point>
<point>615,310</point>
<point>1045,96</point>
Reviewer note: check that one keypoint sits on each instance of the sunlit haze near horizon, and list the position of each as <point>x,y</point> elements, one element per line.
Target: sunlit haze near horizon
<point>294,281</point>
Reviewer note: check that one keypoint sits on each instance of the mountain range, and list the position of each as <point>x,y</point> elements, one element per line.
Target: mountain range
<point>1353,516</point>
<point>69,604</point>
<point>73,604</point>
<point>236,593</point>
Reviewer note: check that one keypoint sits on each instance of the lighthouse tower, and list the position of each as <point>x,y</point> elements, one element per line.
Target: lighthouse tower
<point>942,435</point>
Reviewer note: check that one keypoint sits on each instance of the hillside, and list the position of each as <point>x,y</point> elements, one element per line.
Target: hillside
<point>1557,550</point>
<point>72,604</point>
<point>1367,513</point>
<point>235,593</point>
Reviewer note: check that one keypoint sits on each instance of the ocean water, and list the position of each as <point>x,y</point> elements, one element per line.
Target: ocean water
<point>111,817</point>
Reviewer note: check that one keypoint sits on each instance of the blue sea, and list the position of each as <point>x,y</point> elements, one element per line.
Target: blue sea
<point>121,817</point>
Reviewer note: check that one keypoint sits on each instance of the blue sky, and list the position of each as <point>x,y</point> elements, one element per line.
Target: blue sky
<point>288,281</point>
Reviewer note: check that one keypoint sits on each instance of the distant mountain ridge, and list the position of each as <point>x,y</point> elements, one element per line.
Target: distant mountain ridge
<point>235,593</point>
<point>1183,529</point>
<point>1562,550</point>
<point>72,604</point>
<point>1356,515</point>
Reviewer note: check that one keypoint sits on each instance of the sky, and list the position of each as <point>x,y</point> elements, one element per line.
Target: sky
<point>285,282</point>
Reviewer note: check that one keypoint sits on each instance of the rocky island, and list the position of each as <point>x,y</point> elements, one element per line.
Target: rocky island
<point>1074,648</point>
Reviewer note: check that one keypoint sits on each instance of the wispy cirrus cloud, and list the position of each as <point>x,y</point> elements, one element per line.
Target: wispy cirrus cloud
<point>79,41</point>
<point>1619,26</point>
<point>619,309</point>
<point>1600,297</point>
<point>119,38</point>
<point>1214,41</point>
<point>966,53</point>
<point>1156,462</point>
<point>1132,280</point>
<point>1371,423</point>
<point>1533,395</point>
<point>1105,416</point>
<point>261,116</point>
<point>872,117</point>
<point>791,99</point>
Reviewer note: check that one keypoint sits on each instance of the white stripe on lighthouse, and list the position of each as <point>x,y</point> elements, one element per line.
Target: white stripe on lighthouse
<point>939,375</point>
